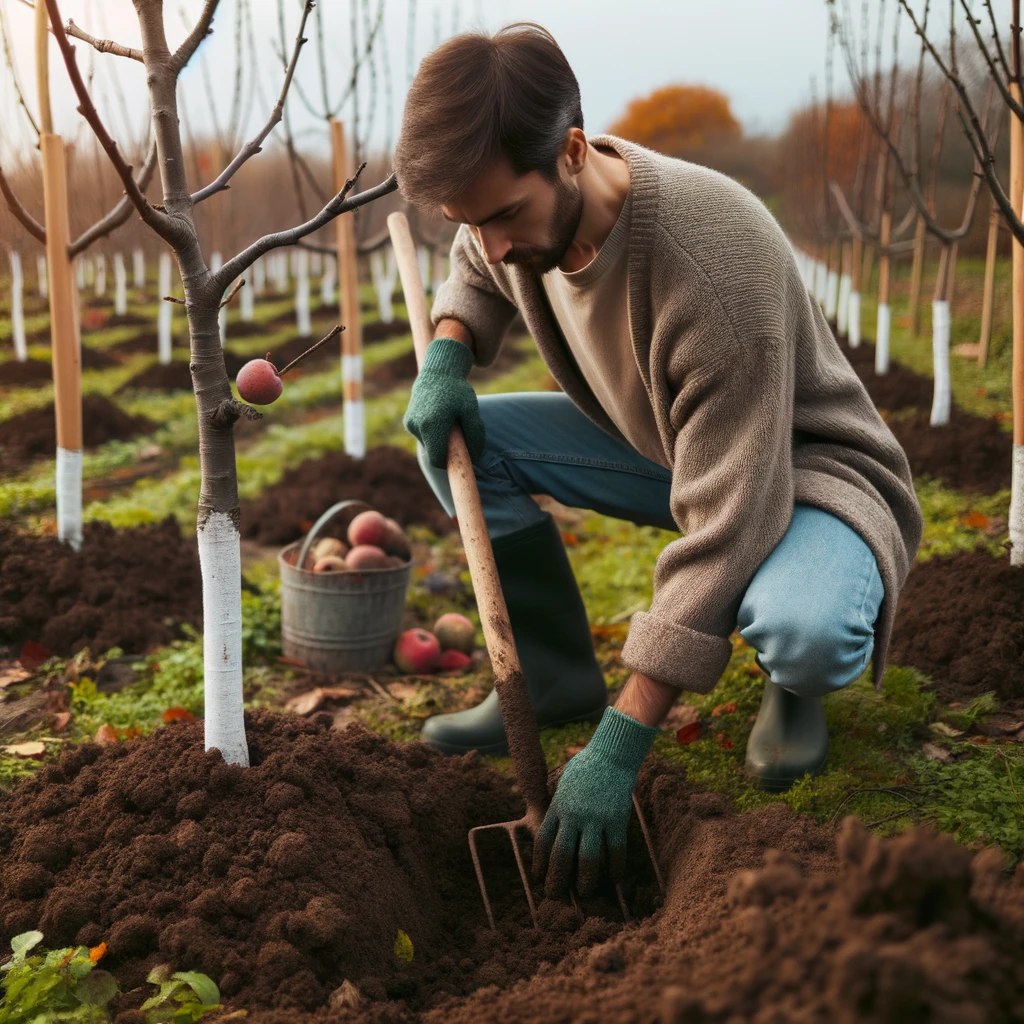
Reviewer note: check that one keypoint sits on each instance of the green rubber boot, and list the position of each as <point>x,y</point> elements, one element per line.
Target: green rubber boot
<point>789,739</point>
<point>552,635</point>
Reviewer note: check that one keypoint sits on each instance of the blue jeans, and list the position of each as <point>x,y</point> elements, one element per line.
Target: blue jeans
<point>809,610</point>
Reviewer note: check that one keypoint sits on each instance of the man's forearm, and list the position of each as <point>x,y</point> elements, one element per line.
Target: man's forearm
<point>646,699</point>
<point>455,329</point>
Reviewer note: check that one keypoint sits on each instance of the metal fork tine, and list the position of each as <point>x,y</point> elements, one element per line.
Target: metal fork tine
<point>522,874</point>
<point>650,845</point>
<point>622,904</point>
<point>480,873</point>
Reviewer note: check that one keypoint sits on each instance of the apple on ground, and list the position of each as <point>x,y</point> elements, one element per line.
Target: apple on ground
<point>455,632</point>
<point>453,660</point>
<point>416,651</point>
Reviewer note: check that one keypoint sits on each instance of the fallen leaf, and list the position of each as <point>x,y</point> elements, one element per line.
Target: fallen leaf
<point>97,953</point>
<point>724,742</point>
<point>976,520</point>
<point>294,662</point>
<point>12,674</point>
<point>688,733</point>
<point>570,540</point>
<point>402,691</point>
<point>178,715</point>
<point>1000,725</point>
<point>32,748</point>
<point>105,735</point>
<point>944,729</point>
<point>32,655</point>
<point>936,753</point>
<point>403,947</point>
<point>60,721</point>
<point>678,716</point>
<point>723,709</point>
<point>345,997</point>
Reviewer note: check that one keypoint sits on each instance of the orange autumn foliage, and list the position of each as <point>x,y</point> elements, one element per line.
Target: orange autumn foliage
<point>678,120</point>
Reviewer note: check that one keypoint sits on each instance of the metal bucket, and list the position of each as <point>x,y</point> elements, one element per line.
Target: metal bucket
<point>334,621</point>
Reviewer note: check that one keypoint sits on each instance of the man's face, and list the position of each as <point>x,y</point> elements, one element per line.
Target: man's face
<point>525,220</point>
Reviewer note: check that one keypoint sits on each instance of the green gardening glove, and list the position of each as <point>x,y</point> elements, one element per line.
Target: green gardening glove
<point>441,397</point>
<point>593,803</point>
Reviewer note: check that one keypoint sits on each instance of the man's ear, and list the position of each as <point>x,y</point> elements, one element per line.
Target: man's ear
<point>575,150</point>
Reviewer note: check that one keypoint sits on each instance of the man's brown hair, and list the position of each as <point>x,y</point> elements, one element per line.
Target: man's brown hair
<point>477,97</point>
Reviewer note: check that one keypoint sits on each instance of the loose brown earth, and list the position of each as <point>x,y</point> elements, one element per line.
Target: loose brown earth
<point>388,478</point>
<point>970,453</point>
<point>116,592</point>
<point>33,434</point>
<point>30,373</point>
<point>286,879</point>
<point>959,621</point>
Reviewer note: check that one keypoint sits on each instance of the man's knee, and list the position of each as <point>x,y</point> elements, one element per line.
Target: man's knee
<point>813,656</point>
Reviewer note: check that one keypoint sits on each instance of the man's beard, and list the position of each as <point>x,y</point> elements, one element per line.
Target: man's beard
<point>564,222</point>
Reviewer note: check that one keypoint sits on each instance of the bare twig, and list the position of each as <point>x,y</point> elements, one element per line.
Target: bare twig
<point>177,302</point>
<point>334,332</point>
<point>184,52</point>
<point>254,146</point>
<point>231,294</point>
<point>338,205</point>
<point>31,225</point>
<point>102,45</point>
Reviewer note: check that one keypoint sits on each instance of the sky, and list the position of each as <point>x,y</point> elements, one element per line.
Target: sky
<point>763,54</point>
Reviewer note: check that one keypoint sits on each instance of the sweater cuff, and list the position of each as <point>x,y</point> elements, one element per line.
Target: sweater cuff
<point>622,739</point>
<point>674,654</point>
<point>449,356</point>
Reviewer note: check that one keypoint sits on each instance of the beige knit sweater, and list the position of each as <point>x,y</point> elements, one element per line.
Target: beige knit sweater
<point>754,403</point>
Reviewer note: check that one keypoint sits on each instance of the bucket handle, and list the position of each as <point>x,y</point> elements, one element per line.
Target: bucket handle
<point>321,523</point>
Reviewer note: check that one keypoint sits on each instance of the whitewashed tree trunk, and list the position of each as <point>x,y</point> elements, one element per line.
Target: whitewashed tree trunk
<point>101,275</point>
<point>220,562</point>
<point>831,295</point>
<point>853,320</point>
<point>843,312</point>
<point>316,264</point>
<point>820,278</point>
<point>882,339</point>
<point>940,357</point>
<point>216,262</point>
<point>18,308</point>
<point>90,271</point>
<point>1017,507</point>
<point>68,490</point>
<point>163,320</point>
<point>80,272</point>
<point>120,285</point>
<point>383,285</point>
<point>245,297</point>
<point>259,278</point>
<point>302,293</point>
<point>293,261</point>
<point>41,281</point>
<point>138,269</point>
<point>440,270</point>
<point>423,254</point>
<point>281,272</point>
<point>328,280</point>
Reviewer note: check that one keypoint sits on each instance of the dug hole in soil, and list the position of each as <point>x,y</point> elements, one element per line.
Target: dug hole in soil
<point>33,434</point>
<point>283,880</point>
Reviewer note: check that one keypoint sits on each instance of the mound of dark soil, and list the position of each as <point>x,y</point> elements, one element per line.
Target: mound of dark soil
<point>33,434</point>
<point>26,374</point>
<point>961,621</point>
<point>970,453</point>
<point>125,588</point>
<point>899,388</point>
<point>388,478</point>
<point>128,320</point>
<point>98,359</point>
<point>146,343</point>
<point>175,376</point>
<point>282,880</point>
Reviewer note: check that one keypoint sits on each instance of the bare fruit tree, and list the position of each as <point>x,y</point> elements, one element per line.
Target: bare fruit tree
<point>173,220</point>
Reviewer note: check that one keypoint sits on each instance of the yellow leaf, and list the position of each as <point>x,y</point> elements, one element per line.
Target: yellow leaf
<point>403,947</point>
<point>33,748</point>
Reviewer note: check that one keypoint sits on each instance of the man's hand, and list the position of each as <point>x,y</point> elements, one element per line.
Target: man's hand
<point>592,805</point>
<point>440,398</point>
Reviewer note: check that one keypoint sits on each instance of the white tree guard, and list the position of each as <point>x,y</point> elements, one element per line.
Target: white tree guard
<point>90,271</point>
<point>220,561</point>
<point>120,285</point>
<point>328,280</point>
<point>166,309</point>
<point>882,339</point>
<point>101,275</point>
<point>316,263</point>
<point>42,284</point>
<point>293,261</point>
<point>302,293</point>
<point>843,312</point>
<point>80,271</point>
<point>940,361</point>
<point>17,308</point>
<point>383,285</point>
<point>138,269</point>
<point>354,411</point>
<point>1017,507</point>
<point>245,297</point>
<point>820,279</point>
<point>259,277</point>
<point>69,496</point>
<point>281,272</point>
<point>831,295</point>
<point>853,320</point>
<point>216,262</point>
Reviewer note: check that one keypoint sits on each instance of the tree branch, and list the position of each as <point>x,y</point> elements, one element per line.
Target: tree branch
<point>184,52</point>
<point>103,45</point>
<point>120,213</point>
<point>337,206</point>
<point>160,223</point>
<point>31,225</point>
<point>253,147</point>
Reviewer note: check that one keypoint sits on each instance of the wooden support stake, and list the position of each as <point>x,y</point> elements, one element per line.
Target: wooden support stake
<point>885,235</point>
<point>916,274</point>
<point>1016,194</point>
<point>348,297</point>
<point>990,284</point>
